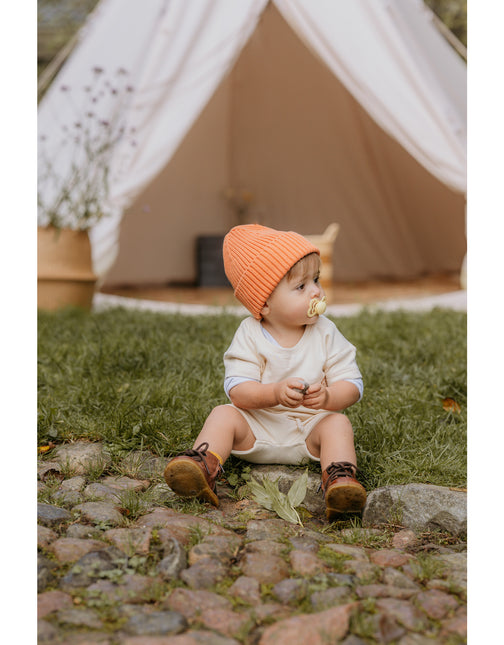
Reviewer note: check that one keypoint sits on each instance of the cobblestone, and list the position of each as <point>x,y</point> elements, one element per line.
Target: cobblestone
<point>180,573</point>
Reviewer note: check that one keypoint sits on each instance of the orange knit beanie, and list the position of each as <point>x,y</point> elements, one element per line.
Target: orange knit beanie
<point>256,258</point>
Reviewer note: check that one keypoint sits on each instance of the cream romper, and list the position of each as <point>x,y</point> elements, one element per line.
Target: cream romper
<point>322,355</point>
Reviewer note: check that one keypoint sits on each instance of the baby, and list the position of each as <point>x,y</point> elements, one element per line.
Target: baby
<point>289,374</point>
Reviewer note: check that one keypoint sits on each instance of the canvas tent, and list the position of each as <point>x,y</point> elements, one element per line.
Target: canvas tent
<point>323,110</point>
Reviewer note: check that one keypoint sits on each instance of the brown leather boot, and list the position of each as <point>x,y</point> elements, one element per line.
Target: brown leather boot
<point>343,493</point>
<point>193,474</point>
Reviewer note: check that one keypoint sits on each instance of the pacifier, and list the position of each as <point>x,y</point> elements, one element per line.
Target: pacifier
<point>317,307</point>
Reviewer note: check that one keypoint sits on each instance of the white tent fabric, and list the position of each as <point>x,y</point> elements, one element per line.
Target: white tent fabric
<point>177,52</point>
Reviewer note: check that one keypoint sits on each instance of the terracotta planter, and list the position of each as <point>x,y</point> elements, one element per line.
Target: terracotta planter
<point>64,269</point>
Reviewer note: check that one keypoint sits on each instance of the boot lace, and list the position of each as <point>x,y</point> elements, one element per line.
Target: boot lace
<point>200,454</point>
<point>339,469</point>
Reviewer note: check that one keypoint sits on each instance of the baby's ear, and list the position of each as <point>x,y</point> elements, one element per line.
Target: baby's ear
<point>265,310</point>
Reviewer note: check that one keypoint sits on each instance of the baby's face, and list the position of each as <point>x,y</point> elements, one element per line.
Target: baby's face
<point>290,301</point>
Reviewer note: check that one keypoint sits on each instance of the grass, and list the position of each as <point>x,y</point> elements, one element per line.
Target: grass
<point>142,380</point>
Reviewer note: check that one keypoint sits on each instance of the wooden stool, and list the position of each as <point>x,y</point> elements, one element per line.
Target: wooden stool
<point>325,244</point>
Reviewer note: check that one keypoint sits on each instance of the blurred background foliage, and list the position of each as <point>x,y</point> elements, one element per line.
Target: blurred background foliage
<point>453,13</point>
<point>59,21</point>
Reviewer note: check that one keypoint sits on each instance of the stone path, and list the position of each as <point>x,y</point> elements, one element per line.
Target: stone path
<point>122,561</point>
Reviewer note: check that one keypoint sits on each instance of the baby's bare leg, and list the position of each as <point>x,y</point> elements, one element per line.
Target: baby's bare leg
<point>193,473</point>
<point>332,439</point>
<point>224,430</point>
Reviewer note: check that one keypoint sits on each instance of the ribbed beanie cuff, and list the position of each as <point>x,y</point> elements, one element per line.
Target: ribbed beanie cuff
<point>256,258</point>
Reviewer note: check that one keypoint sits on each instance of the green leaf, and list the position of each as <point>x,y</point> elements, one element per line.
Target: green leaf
<point>297,491</point>
<point>269,496</point>
<point>260,494</point>
<point>287,512</point>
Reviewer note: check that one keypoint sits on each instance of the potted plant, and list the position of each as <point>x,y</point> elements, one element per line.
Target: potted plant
<point>72,196</point>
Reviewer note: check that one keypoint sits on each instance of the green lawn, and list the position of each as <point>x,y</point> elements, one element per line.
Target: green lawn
<point>141,380</point>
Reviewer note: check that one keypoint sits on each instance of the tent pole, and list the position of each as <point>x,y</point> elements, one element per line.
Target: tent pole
<point>52,68</point>
<point>450,36</point>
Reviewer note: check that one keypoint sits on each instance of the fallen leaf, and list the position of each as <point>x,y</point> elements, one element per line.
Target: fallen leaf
<point>297,491</point>
<point>450,405</point>
<point>43,449</point>
<point>269,496</point>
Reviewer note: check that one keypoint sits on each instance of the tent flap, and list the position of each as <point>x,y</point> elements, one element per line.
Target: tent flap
<point>307,102</point>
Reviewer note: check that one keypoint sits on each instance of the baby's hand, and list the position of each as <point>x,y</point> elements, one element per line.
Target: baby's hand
<point>316,397</point>
<point>290,392</point>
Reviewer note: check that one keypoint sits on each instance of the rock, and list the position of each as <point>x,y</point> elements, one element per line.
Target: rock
<point>46,633</point>
<point>47,469</point>
<point>305,563</point>
<point>362,570</point>
<point>182,528</point>
<point>142,463</point>
<point>75,484</point>
<point>83,531</point>
<point>195,603</point>
<point>420,507</point>
<point>270,611</point>
<point>157,622</point>
<point>132,588</point>
<point>435,603</point>
<point>220,547</point>
<point>204,574</point>
<point>321,628</point>
<point>174,560</point>
<point>120,484</point>
<point>456,625</point>
<point>455,567</point>
<point>389,558</point>
<point>404,539</point>
<point>80,618</point>
<point>78,457</point>
<point>378,590</point>
<point>247,589</point>
<point>157,518</point>
<point>273,529</point>
<point>304,544</point>
<point>290,590</point>
<point>194,637</point>
<point>404,613</point>
<point>225,621</point>
<point>50,515</point>
<point>354,552</point>
<point>100,512</point>
<point>130,541</point>
<point>265,546</point>
<point>266,569</point>
<point>45,536</point>
<point>45,572</point>
<point>71,549</point>
<point>161,493</point>
<point>396,578</point>
<point>51,601</point>
<point>330,597</point>
<point>98,491</point>
<point>68,497</point>
<point>90,567</point>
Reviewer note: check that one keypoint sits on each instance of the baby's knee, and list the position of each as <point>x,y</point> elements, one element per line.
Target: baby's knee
<point>224,410</point>
<point>338,422</point>
<point>226,415</point>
